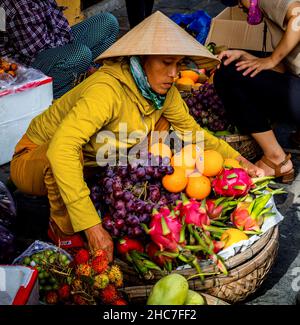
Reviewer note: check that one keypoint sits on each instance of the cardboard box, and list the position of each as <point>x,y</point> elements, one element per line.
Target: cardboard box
<point>17,109</point>
<point>230,28</point>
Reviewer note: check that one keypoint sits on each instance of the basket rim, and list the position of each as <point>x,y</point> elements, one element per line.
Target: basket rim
<point>138,292</point>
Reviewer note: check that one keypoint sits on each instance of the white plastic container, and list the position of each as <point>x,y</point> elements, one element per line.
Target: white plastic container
<point>18,285</point>
<point>17,109</point>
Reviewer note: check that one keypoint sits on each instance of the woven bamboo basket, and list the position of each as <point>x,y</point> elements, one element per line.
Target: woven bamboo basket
<point>138,295</point>
<point>244,144</point>
<point>247,271</point>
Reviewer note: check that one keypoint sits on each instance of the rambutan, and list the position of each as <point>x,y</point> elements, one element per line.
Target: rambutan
<point>82,256</point>
<point>78,300</point>
<point>101,281</point>
<point>109,294</point>
<point>115,275</point>
<point>64,292</point>
<point>100,264</point>
<point>83,269</point>
<point>52,297</point>
<point>77,285</point>
<point>119,302</point>
<point>100,252</point>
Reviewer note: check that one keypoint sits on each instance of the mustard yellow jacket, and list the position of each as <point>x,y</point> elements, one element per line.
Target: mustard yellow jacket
<point>101,102</point>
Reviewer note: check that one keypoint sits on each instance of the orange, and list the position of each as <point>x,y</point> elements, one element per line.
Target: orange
<point>211,164</point>
<point>231,163</point>
<point>175,182</point>
<point>189,74</point>
<point>186,158</point>
<point>185,81</point>
<point>161,149</point>
<point>232,236</point>
<point>198,186</point>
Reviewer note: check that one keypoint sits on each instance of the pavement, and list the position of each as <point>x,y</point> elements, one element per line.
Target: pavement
<point>283,281</point>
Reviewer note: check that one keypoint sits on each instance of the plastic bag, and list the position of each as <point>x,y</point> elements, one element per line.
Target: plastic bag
<point>40,246</point>
<point>7,245</point>
<point>7,208</point>
<point>197,24</point>
<point>23,75</point>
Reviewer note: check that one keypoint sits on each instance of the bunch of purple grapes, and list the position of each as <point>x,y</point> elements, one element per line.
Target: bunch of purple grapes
<point>126,195</point>
<point>207,108</point>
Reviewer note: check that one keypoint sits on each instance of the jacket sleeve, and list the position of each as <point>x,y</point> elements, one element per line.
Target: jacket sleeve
<point>87,117</point>
<point>177,113</point>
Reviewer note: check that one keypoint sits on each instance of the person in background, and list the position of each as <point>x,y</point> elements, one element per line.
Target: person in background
<point>135,87</point>
<point>39,35</point>
<point>138,10</point>
<point>256,90</point>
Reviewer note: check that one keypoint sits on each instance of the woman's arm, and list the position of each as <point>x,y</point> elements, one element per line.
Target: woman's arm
<point>87,117</point>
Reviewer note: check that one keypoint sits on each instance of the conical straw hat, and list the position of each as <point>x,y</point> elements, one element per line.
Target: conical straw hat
<point>159,35</point>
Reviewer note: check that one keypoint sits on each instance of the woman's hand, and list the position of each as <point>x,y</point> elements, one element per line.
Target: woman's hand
<point>230,56</point>
<point>255,65</point>
<point>252,170</point>
<point>99,238</point>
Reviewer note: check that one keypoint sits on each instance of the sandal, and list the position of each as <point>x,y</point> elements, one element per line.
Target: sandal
<point>287,177</point>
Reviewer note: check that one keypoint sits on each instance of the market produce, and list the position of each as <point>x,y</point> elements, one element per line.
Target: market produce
<point>194,298</point>
<point>249,214</point>
<point>180,216</point>
<point>8,67</point>
<point>171,289</point>
<point>126,195</point>
<point>233,182</point>
<point>208,110</point>
<point>88,279</point>
<point>212,163</point>
<point>232,236</point>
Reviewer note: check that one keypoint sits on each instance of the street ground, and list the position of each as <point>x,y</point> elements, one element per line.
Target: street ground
<point>284,277</point>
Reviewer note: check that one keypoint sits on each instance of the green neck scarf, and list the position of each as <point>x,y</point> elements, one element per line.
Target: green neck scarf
<point>141,81</point>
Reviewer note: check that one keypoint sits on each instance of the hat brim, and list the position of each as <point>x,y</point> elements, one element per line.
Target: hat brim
<point>159,35</point>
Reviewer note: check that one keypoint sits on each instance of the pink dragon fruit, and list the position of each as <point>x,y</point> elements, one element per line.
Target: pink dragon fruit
<point>165,230</point>
<point>214,211</point>
<point>242,219</point>
<point>194,212</point>
<point>249,215</point>
<point>233,182</point>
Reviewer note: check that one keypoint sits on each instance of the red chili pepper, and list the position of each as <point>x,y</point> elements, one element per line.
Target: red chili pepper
<point>126,245</point>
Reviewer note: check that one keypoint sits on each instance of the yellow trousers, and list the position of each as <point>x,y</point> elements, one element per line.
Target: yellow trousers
<point>31,172</point>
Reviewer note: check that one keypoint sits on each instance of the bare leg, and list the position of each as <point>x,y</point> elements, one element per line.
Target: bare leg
<point>272,150</point>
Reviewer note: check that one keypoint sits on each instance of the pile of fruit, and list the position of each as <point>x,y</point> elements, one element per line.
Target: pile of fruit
<point>7,67</point>
<point>173,289</point>
<point>201,205</point>
<point>208,110</point>
<point>87,280</point>
<point>191,79</point>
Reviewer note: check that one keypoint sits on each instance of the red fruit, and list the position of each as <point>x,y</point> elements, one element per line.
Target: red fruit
<point>126,245</point>
<point>242,219</point>
<point>119,302</point>
<point>100,264</point>
<point>64,292</point>
<point>214,211</point>
<point>109,294</point>
<point>218,245</point>
<point>232,182</point>
<point>152,250</point>
<point>193,212</point>
<point>165,230</point>
<point>78,300</point>
<point>51,297</point>
<point>82,256</point>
